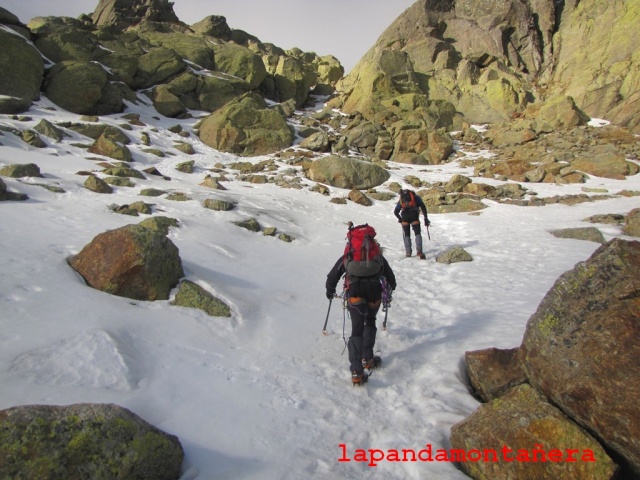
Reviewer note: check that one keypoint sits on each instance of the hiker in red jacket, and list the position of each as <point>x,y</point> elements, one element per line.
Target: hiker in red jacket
<point>407,212</point>
<point>365,271</point>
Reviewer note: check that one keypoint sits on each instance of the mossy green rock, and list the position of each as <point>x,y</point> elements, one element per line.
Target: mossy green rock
<point>218,205</point>
<point>98,185</point>
<point>344,172</point>
<point>192,295</point>
<point>247,128</point>
<point>250,224</point>
<point>590,234</point>
<point>21,71</point>
<point>19,170</point>
<point>161,224</point>
<point>76,442</point>
<point>240,62</point>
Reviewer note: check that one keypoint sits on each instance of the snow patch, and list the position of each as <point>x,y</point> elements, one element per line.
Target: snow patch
<point>90,359</point>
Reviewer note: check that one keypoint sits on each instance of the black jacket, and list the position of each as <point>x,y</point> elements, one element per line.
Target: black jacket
<point>339,270</point>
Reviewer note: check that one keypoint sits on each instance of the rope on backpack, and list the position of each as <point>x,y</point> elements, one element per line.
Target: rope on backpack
<point>386,299</point>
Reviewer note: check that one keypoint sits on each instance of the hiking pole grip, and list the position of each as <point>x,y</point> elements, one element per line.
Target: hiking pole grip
<point>324,329</point>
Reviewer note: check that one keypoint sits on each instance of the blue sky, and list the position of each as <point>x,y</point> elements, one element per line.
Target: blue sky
<point>343,28</point>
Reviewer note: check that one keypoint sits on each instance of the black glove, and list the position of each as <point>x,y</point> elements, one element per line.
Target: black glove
<point>426,222</point>
<point>330,295</point>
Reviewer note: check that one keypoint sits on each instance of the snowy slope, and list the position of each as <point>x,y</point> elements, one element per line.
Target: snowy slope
<point>265,395</point>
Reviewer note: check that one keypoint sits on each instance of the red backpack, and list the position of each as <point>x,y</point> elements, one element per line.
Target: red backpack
<point>362,255</point>
<point>407,199</point>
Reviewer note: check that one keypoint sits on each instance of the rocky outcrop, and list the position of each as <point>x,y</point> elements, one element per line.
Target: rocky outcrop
<point>492,59</point>
<point>125,13</point>
<point>67,442</point>
<point>140,46</point>
<point>579,353</point>
<point>132,261</point>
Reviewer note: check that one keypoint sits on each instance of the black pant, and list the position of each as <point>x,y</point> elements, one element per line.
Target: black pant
<point>363,305</point>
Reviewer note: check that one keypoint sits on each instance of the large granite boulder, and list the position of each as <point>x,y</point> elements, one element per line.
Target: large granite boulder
<point>240,62</point>
<point>82,441</point>
<point>21,73</point>
<point>82,87</point>
<point>521,436</point>
<point>344,172</point>
<point>581,348</point>
<point>246,127</point>
<point>132,261</point>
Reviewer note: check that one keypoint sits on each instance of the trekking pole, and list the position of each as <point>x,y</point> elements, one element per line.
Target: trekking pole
<point>428,236</point>
<point>386,311</point>
<point>324,329</point>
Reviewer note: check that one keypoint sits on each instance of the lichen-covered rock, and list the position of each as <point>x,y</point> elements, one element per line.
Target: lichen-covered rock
<point>19,170</point>
<point>632,223</point>
<point>246,127</point>
<point>132,261</point>
<point>454,255</point>
<point>218,205</point>
<point>581,349</point>
<point>82,87</point>
<point>110,148</point>
<point>344,172</point>
<point>96,184</point>
<point>250,224</point>
<point>84,441</point>
<point>161,224</point>
<point>590,234</point>
<point>21,72</point>
<point>192,295</point>
<point>492,371</point>
<point>508,437</point>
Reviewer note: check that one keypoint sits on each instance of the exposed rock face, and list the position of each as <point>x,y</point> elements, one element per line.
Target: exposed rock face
<point>131,261</point>
<point>125,13</point>
<point>489,58</point>
<point>517,424</point>
<point>581,348</point>
<point>68,442</point>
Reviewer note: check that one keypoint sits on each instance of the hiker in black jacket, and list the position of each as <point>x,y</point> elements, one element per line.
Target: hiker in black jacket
<point>407,212</point>
<point>363,299</point>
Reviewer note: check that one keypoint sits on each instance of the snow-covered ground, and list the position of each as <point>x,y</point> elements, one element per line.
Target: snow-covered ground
<point>264,395</point>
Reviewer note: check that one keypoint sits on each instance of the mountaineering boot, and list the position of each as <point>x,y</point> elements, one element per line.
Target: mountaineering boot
<point>422,256</point>
<point>407,254</point>
<point>359,378</point>
<point>372,363</point>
